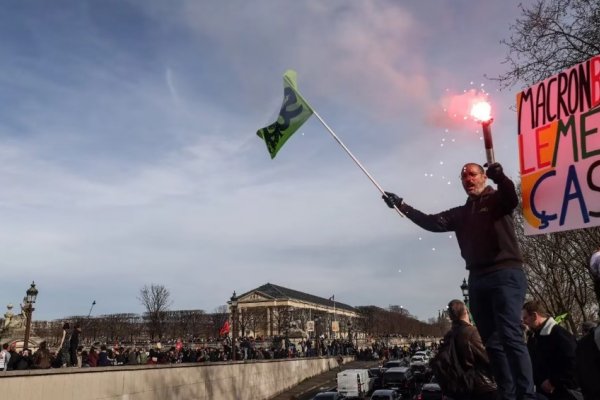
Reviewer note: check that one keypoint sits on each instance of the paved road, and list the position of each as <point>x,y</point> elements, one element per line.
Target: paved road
<point>327,380</point>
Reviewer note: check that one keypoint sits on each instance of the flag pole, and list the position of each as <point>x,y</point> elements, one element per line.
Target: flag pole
<point>337,139</point>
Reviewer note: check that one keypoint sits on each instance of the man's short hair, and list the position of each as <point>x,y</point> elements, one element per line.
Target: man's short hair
<point>456,310</point>
<point>535,306</point>
<point>479,167</point>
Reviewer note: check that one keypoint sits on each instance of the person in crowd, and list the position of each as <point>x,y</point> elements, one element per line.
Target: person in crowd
<point>471,355</point>
<point>42,358</point>
<point>103,358</point>
<point>552,351</point>
<point>25,360</point>
<point>73,345</point>
<point>63,346</point>
<point>93,357</point>
<point>486,236</point>
<point>587,362</point>
<point>133,357</point>
<point>85,361</point>
<point>4,357</point>
<point>143,356</point>
<point>14,357</point>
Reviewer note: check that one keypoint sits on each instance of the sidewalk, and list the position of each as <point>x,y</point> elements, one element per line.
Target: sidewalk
<point>307,389</point>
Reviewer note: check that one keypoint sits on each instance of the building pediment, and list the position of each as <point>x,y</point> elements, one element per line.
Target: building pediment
<point>254,296</point>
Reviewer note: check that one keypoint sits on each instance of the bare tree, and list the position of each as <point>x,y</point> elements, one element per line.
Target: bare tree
<point>378,322</point>
<point>283,316</point>
<point>253,320</point>
<point>556,269</point>
<point>185,324</point>
<point>157,300</point>
<point>550,36</point>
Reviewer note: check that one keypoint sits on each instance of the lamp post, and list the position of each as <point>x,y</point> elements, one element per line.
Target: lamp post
<point>465,291</point>
<point>317,338</point>
<point>93,304</point>
<point>350,333</point>
<point>32,293</point>
<point>234,304</point>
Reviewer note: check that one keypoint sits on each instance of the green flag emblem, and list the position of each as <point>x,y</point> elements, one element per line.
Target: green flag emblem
<point>294,112</point>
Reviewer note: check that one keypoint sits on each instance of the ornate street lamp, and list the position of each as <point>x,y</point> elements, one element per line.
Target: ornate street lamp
<point>29,300</point>
<point>465,291</point>
<point>350,334</point>
<point>234,303</point>
<point>317,338</point>
<point>93,304</point>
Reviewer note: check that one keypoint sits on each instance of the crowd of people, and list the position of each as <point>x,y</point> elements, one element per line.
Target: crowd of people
<point>563,367</point>
<point>70,353</point>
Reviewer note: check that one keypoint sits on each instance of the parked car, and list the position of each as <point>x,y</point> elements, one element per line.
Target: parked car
<point>385,394</point>
<point>376,375</point>
<point>328,396</point>
<point>426,354</point>
<point>401,379</point>
<point>418,359</point>
<point>395,364</point>
<point>431,391</point>
<point>422,373</point>
<point>420,368</point>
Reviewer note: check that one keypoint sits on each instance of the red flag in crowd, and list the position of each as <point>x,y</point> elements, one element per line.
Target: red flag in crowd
<point>225,329</point>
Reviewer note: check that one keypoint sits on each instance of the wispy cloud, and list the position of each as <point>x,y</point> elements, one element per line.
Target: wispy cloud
<point>128,152</point>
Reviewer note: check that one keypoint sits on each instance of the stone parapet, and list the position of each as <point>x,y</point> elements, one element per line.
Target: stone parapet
<point>252,380</point>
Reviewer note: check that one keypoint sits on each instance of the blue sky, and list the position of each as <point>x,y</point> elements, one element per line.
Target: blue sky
<point>129,155</point>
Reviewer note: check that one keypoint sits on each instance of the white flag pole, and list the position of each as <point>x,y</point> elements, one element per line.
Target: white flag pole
<point>337,139</point>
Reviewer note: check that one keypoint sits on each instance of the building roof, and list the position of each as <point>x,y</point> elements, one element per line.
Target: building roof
<point>280,292</point>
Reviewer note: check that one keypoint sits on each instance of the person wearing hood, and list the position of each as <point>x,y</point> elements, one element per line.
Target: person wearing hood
<point>486,236</point>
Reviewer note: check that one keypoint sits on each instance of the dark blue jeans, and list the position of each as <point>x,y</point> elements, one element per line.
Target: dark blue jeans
<point>496,300</point>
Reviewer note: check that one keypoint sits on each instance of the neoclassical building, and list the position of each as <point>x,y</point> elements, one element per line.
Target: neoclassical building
<point>272,310</point>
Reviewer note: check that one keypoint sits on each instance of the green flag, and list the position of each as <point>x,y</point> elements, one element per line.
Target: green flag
<point>560,318</point>
<point>294,112</point>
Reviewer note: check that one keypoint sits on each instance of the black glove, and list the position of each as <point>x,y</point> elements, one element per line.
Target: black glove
<point>495,173</point>
<point>392,200</point>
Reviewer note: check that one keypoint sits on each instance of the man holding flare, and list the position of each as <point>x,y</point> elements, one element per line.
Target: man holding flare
<point>485,233</point>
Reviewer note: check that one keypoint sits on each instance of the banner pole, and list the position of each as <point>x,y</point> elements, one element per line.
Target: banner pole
<point>337,139</point>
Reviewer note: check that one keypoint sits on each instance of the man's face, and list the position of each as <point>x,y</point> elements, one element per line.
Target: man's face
<point>473,180</point>
<point>529,319</point>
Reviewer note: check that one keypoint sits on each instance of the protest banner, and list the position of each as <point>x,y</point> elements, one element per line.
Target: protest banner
<point>559,150</point>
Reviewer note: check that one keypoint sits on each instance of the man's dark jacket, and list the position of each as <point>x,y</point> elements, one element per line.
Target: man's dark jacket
<point>484,228</point>
<point>587,358</point>
<point>462,366</point>
<point>552,351</point>
<point>472,355</point>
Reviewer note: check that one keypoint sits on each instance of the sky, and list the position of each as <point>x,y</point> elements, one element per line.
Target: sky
<point>129,154</point>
